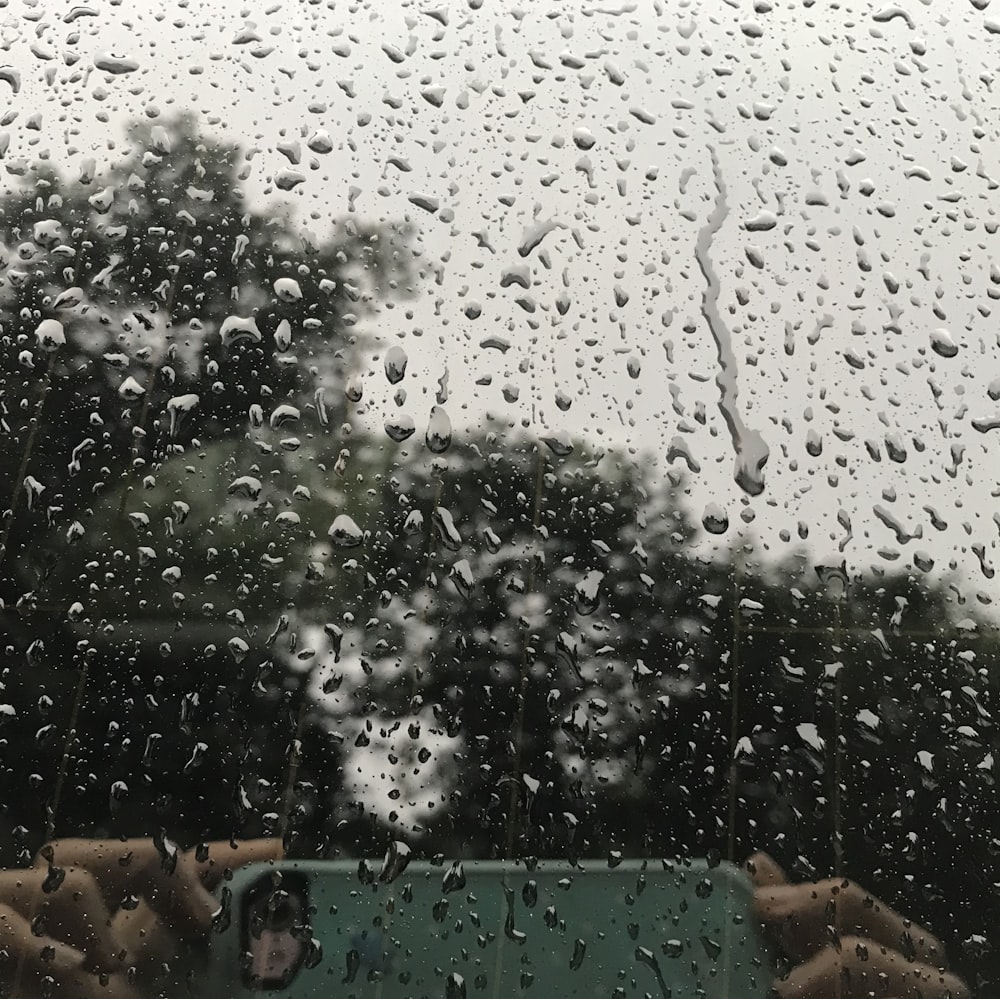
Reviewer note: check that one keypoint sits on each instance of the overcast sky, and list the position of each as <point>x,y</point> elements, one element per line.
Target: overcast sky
<point>828,167</point>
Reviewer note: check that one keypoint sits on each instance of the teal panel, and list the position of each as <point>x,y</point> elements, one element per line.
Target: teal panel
<point>492,929</point>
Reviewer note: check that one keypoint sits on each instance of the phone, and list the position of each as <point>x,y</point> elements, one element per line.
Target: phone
<point>368,930</point>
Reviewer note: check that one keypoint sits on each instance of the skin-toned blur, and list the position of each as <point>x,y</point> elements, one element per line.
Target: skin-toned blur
<point>112,911</point>
<point>840,940</point>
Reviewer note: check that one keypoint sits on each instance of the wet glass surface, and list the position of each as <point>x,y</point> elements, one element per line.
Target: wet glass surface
<point>496,431</point>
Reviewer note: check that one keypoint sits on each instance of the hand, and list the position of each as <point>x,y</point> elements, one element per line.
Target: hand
<point>89,916</point>
<point>846,943</point>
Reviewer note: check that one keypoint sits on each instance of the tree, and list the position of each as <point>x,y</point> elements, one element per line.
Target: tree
<point>165,284</point>
<point>515,650</point>
<point>148,309</point>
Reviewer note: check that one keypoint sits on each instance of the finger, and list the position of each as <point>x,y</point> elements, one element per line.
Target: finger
<point>70,908</point>
<point>222,856</point>
<point>178,897</point>
<point>860,968</point>
<point>115,862</point>
<point>46,966</point>
<point>129,867</point>
<point>146,939</point>
<point>812,916</point>
<point>112,862</point>
<point>764,871</point>
<point>182,897</point>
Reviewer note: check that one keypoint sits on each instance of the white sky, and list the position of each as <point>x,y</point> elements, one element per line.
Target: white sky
<point>484,110</point>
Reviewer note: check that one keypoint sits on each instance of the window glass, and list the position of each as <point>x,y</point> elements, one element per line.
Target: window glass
<point>496,431</point>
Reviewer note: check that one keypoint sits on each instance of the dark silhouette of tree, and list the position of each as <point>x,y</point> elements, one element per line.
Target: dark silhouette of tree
<point>149,308</point>
<point>142,269</point>
<point>530,648</point>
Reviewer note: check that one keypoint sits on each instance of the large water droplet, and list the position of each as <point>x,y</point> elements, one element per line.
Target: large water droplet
<point>116,65</point>
<point>529,893</point>
<point>336,636</point>
<point>454,987</point>
<point>33,490</point>
<point>46,232</point>
<point>445,524</point>
<point>284,415</point>
<point>283,335</point>
<point>238,649</point>
<point>314,953</point>
<point>246,487</point>
<point>178,408</point>
<point>287,180</point>
<point>438,430</point>
<point>344,533</point>
<point>942,343</point>
<point>509,929</point>
<point>645,956</point>
<point>715,519</point>
<point>159,140</point>
<point>354,389</point>
<point>400,427</point>
<point>131,390</point>
<point>320,141</point>
<point>809,734</point>
<point>395,364</point>
<point>49,335</point>
<point>68,299</point>
<point>236,329</point>
<point>454,878</point>
<point>11,77</point>
<point>287,289</point>
<point>559,444</point>
<point>712,947</point>
<point>586,593</point>
<point>568,648</point>
<point>461,576</point>
<point>397,857</point>
<point>103,200</point>
<point>353,964</point>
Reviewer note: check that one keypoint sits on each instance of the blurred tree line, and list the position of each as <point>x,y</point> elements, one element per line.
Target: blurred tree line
<point>508,648</point>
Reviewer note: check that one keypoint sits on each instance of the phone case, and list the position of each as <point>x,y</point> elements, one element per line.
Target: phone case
<point>669,930</point>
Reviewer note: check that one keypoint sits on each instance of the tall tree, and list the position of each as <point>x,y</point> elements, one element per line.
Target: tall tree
<point>159,281</point>
<point>148,305</point>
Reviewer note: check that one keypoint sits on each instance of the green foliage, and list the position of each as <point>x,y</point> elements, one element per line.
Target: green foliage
<point>451,678</point>
<point>142,267</point>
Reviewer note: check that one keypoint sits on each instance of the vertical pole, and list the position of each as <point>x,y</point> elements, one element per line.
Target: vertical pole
<point>838,754</point>
<point>734,713</point>
<point>514,816</point>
